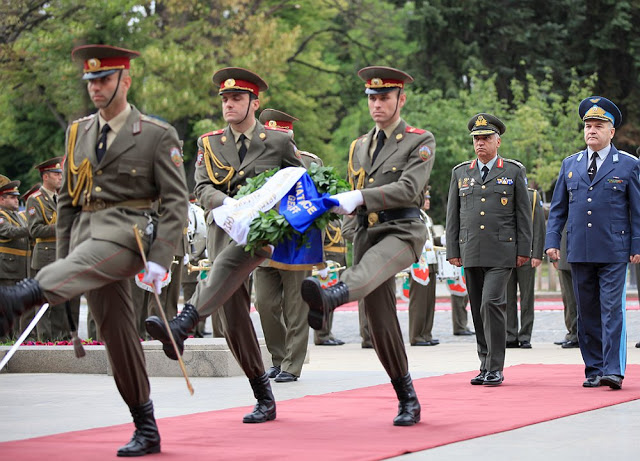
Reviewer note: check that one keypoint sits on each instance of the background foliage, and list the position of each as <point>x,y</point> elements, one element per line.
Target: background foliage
<point>529,62</point>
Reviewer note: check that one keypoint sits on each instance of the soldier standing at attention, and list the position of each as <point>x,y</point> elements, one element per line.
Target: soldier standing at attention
<point>41,215</point>
<point>118,163</point>
<point>389,169</point>
<point>597,195</point>
<point>525,278</point>
<point>14,242</point>
<point>489,233</point>
<point>226,158</point>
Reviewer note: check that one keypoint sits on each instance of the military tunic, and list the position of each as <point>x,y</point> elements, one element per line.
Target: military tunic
<point>219,174</point>
<point>525,277</point>
<point>99,204</point>
<point>488,226</point>
<point>389,233</point>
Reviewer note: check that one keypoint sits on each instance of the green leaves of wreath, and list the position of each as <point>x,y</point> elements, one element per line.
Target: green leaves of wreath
<point>271,227</point>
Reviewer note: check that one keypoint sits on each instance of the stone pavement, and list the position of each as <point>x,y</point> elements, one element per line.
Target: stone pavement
<point>39,404</point>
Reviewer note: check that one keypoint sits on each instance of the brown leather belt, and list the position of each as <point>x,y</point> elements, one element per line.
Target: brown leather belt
<point>369,219</point>
<point>97,205</point>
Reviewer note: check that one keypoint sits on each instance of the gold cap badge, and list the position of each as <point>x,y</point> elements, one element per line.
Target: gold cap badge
<point>230,82</point>
<point>481,121</point>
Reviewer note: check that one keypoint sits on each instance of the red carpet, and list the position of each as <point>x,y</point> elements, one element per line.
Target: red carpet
<point>353,425</point>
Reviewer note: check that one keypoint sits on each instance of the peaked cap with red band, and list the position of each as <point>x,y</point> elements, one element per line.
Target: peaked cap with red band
<point>53,165</point>
<point>277,119</point>
<point>8,187</point>
<point>237,79</point>
<point>380,79</point>
<point>102,60</point>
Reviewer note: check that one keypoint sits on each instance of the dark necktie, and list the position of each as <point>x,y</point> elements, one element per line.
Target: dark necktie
<point>101,148</point>
<point>485,172</point>
<point>379,145</point>
<point>243,147</point>
<point>55,199</point>
<point>593,168</point>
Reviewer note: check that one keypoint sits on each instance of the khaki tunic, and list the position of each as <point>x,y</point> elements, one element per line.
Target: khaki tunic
<point>488,225</point>
<point>396,180</point>
<point>14,246</point>
<point>97,249</point>
<point>219,174</point>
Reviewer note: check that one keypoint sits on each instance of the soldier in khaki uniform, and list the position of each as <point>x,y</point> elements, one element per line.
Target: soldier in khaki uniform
<point>389,169</point>
<point>570,340</point>
<point>525,278</point>
<point>118,163</point>
<point>42,212</point>
<point>226,158</point>
<point>489,233</point>
<point>15,250</point>
<point>283,313</point>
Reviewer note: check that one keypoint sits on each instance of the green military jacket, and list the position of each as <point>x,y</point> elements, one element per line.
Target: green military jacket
<point>397,179</point>
<point>539,229</point>
<point>219,173</point>
<point>14,246</point>
<point>105,200</point>
<point>489,223</point>
<point>41,217</point>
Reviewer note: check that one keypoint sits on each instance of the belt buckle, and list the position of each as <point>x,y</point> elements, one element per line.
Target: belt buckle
<point>99,204</point>
<point>372,218</point>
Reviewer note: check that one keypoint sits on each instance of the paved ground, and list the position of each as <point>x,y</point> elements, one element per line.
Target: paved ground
<point>40,404</point>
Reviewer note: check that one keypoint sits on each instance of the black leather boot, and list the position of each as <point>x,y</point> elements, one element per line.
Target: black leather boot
<point>265,409</point>
<point>408,405</point>
<point>146,438</point>
<point>322,301</point>
<point>181,325</point>
<point>16,300</point>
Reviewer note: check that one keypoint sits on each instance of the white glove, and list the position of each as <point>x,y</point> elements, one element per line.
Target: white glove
<point>323,273</point>
<point>229,201</point>
<point>154,275</point>
<point>443,240</point>
<point>428,245</point>
<point>185,260</point>
<point>349,201</point>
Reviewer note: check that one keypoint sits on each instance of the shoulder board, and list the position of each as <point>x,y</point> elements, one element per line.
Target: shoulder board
<point>275,128</point>
<point>463,163</point>
<point>515,162</point>
<point>628,154</point>
<point>573,155</point>
<point>308,154</point>
<point>84,119</point>
<point>154,120</point>
<point>213,133</point>
<point>410,129</point>
<point>36,194</point>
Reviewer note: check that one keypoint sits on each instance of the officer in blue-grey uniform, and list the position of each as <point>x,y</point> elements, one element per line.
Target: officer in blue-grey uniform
<point>598,196</point>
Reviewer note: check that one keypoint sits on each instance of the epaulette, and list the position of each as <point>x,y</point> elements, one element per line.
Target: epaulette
<point>410,129</point>
<point>573,155</point>
<point>84,119</point>
<point>36,194</point>
<point>154,120</point>
<point>213,133</point>
<point>275,128</point>
<point>515,162</point>
<point>628,154</point>
<point>463,163</point>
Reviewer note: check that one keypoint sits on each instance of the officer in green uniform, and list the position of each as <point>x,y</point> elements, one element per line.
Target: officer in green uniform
<point>42,212</point>
<point>226,159</point>
<point>525,278</point>
<point>15,250</point>
<point>118,163</point>
<point>489,233</point>
<point>283,313</point>
<point>422,298</point>
<point>389,168</point>
<point>570,340</point>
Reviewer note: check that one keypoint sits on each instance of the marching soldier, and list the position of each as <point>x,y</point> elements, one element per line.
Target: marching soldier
<point>389,169</point>
<point>41,215</point>
<point>525,278</point>
<point>118,163</point>
<point>15,250</point>
<point>489,233</point>
<point>226,159</point>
